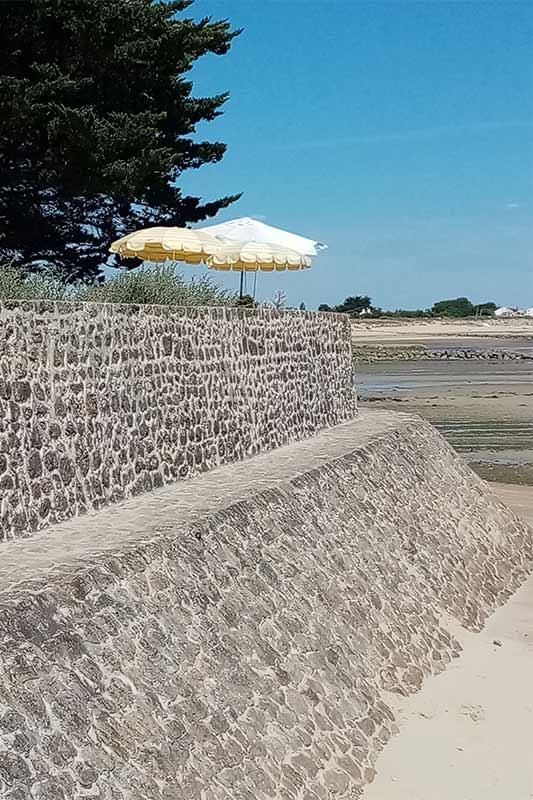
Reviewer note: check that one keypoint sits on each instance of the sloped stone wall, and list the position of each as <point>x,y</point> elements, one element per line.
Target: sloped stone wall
<point>102,402</point>
<point>234,642</point>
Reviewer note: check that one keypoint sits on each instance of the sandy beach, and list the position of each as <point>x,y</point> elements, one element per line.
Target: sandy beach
<point>467,734</point>
<point>392,330</point>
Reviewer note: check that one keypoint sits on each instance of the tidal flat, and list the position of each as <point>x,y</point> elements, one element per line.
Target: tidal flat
<point>484,408</point>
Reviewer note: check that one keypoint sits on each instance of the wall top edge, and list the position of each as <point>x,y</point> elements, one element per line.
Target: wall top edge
<point>63,306</point>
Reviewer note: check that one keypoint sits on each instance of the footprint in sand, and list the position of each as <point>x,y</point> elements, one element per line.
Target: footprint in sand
<point>476,713</point>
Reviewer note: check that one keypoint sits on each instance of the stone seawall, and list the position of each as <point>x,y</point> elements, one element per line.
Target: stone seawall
<point>236,641</point>
<point>102,402</point>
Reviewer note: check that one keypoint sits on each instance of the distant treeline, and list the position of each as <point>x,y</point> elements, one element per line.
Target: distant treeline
<point>361,306</point>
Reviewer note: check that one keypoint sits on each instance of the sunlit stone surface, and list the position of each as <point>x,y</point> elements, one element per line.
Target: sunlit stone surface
<point>99,403</point>
<point>235,640</point>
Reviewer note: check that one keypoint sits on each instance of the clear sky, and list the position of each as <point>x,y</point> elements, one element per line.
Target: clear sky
<point>399,133</point>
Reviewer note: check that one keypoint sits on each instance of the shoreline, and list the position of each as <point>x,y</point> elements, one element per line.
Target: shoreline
<point>483,407</point>
<point>466,733</point>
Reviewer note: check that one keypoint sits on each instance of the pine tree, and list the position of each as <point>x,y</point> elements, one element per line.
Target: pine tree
<point>96,124</point>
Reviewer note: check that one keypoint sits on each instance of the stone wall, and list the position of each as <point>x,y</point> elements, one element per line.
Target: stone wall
<point>236,641</point>
<point>101,402</point>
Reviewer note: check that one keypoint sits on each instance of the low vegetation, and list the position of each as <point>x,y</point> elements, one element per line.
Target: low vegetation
<point>161,285</point>
<point>460,307</point>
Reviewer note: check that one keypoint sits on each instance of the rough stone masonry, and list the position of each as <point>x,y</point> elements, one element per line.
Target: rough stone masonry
<point>234,637</point>
<point>101,402</point>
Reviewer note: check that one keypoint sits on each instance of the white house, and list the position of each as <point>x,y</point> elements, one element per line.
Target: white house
<point>505,312</point>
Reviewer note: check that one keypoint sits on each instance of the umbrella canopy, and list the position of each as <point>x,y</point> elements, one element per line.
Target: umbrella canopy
<point>247,229</point>
<point>174,244</point>
<point>254,257</point>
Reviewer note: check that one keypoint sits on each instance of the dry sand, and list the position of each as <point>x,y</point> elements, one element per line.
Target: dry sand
<point>467,734</point>
<point>381,330</point>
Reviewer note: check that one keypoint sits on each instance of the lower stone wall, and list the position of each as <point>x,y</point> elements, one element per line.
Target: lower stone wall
<point>236,643</point>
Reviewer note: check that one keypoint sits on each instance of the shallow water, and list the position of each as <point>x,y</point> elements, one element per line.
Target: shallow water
<point>422,380</point>
<point>480,437</point>
<point>499,450</point>
<point>491,426</point>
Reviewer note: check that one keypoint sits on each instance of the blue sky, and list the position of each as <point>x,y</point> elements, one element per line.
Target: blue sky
<point>400,133</point>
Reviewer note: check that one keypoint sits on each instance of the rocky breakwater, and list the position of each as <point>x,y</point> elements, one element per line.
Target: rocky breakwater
<point>374,353</point>
<point>237,639</point>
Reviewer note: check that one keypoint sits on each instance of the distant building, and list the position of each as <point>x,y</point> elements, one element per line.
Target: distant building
<point>506,312</point>
<point>529,312</point>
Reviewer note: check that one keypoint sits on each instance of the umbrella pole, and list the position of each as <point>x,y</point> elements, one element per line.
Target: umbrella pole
<point>241,293</point>
<point>255,282</point>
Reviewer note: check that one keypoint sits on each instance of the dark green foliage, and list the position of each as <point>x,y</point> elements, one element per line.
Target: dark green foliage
<point>460,307</point>
<point>246,301</point>
<point>96,119</point>
<point>354,305</point>
<point>417,313</point>
<point>486,309</point>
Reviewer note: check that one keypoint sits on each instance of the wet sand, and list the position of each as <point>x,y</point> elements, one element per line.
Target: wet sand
<point>484,409</point>
<point>467,734</point>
